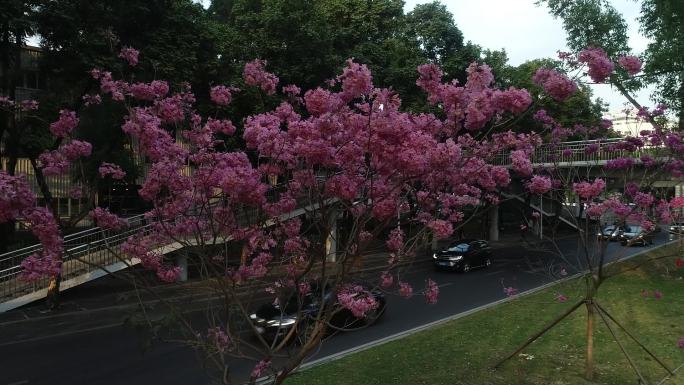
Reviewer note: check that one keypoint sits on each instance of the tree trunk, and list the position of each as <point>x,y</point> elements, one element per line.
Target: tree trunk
<point>52,298</point>
<point>589,365</point>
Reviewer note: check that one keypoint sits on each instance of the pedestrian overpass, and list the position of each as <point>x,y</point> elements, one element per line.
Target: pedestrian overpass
<point>95,252</point>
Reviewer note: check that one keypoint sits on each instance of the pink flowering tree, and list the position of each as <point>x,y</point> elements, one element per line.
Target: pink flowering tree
<point>327,177</point>
<point>600,188</point>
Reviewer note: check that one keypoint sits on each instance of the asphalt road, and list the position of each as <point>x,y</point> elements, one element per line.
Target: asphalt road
<point>94,351</point>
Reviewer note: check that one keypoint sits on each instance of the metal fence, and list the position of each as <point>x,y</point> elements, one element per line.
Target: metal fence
<point>585,152</point>
<point>85,251</point>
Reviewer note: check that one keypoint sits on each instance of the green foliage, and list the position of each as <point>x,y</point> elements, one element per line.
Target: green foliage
<point>591,23</point>
<point>580,108</point>
<point>663,22</point>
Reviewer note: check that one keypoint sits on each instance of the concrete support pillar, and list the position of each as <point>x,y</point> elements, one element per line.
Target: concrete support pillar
<point>494,223</point>
<point>331,238</point>
<point>434,244</point>
<point>182,262</point>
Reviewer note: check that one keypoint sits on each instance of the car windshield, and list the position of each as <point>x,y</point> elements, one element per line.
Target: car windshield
<point>633,229</point>
<point>459,247</point>
<point>609,230</point>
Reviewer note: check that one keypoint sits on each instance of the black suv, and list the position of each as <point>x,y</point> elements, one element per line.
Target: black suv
<point>464,255</point>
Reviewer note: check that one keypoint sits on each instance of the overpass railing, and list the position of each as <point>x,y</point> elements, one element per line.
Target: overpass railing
<point>584,152</point>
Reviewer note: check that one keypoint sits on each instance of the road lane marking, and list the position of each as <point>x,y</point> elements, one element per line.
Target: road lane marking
<point>63,334</point>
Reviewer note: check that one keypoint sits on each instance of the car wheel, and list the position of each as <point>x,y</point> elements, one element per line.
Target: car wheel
<point>488,262</point>
<point>465,268</point>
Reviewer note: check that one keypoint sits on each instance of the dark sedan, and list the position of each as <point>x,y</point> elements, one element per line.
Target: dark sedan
<point>275,321</point>
<point>635,235</point>
<point>464,255</point>
<point>676,228</point>
<point>610,233</point>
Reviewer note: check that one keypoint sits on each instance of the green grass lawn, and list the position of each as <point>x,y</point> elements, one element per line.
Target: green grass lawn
<point>463,351</point>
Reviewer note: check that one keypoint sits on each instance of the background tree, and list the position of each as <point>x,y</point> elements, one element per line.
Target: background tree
<point>663,22</point>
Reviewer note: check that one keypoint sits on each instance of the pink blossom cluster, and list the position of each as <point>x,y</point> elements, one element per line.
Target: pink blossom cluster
<point>643,200</point>
<point>47,262</point>
<point>431,292</point>
<point>107,220</point>
<point>222,95</point>
<point>520,162</point>
<point>621,163</point>
<point>441,228</point>
<point>156,89</point>
<point>587,190</point>
<point>510,291</point>
<point>475,104</point>
<point>256,269</point>
<point>171,109</point>
<point>356,81</point>
<point>255,75</point>
<point>555,84</point>
<point>169,274</point>
<point>600,66</point>
<point>260,367</point>
<point>76,149</point>
<point>223,126</point>
<point>405,290</point>
<point>513,100</point>
<point>395,241</point>
<point>76,191</point>
<point>117,89</point>
<point>111,169</point>
<point>58,161</point>
<point>631,64</point>
<point>539,184</point>
<point>6,102</point>
<point>15,196</point>
<point>90,99</point>
<point>647,225</point>
<point>37,266</point>
<point>292,90</point>
<point>65,124</point>
<point>219,338</point>
<point>357,300</point>
<point>53,163</point>
<point>386,279</point>
<point>592,148</point>
<point>29,105</point>
<point>677,202</point>
<point>130,55</point>
<point>595,210</point>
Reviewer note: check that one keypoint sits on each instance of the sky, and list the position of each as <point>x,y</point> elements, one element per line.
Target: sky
<point>527,31</point>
